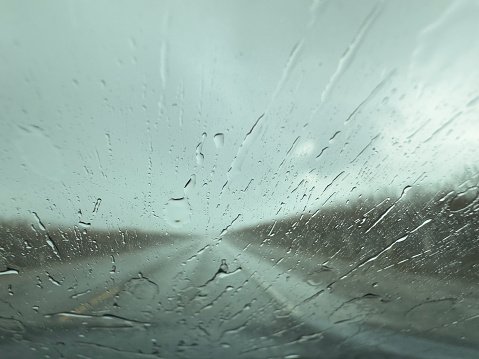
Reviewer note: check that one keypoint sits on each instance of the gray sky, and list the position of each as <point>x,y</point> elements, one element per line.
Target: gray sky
<point>123,102</point>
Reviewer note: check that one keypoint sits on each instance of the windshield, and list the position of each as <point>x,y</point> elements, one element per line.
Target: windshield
<point>246,179</point>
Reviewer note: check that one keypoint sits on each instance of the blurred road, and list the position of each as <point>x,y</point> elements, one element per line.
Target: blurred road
<point>210,299</point>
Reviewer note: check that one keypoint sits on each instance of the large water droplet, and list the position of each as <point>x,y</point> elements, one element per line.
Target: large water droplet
<point>141,288</point>
<point>224,266</point>
<point>219,140</point>
<point>321,276</point>
<point>177,212</point>
<point>9,271</point>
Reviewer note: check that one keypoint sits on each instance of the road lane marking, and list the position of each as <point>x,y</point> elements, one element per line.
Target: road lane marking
<point>91,303</point>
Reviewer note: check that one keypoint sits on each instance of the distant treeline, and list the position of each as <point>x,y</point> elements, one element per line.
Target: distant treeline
<point>27,245</point>
<point>419,230</point>
<point>442,229</point>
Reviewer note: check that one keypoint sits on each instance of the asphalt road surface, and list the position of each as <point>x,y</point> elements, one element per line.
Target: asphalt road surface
<point>206,298</point>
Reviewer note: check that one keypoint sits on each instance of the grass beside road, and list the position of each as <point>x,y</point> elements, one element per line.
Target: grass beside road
<point>23,245</point>
<point>435,233</point>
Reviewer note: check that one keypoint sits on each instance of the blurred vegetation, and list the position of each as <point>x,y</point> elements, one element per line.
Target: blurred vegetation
<point>26,245</point>
<point>419,231</point>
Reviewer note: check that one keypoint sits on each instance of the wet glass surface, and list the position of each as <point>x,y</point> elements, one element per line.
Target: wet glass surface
<point>239,179</point>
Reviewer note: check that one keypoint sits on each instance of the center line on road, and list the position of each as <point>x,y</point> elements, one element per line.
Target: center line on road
<point>95,301</point>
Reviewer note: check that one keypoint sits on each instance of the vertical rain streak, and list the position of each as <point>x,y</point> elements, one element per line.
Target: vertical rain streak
<point>48,239</point>
<point>348,56</point>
